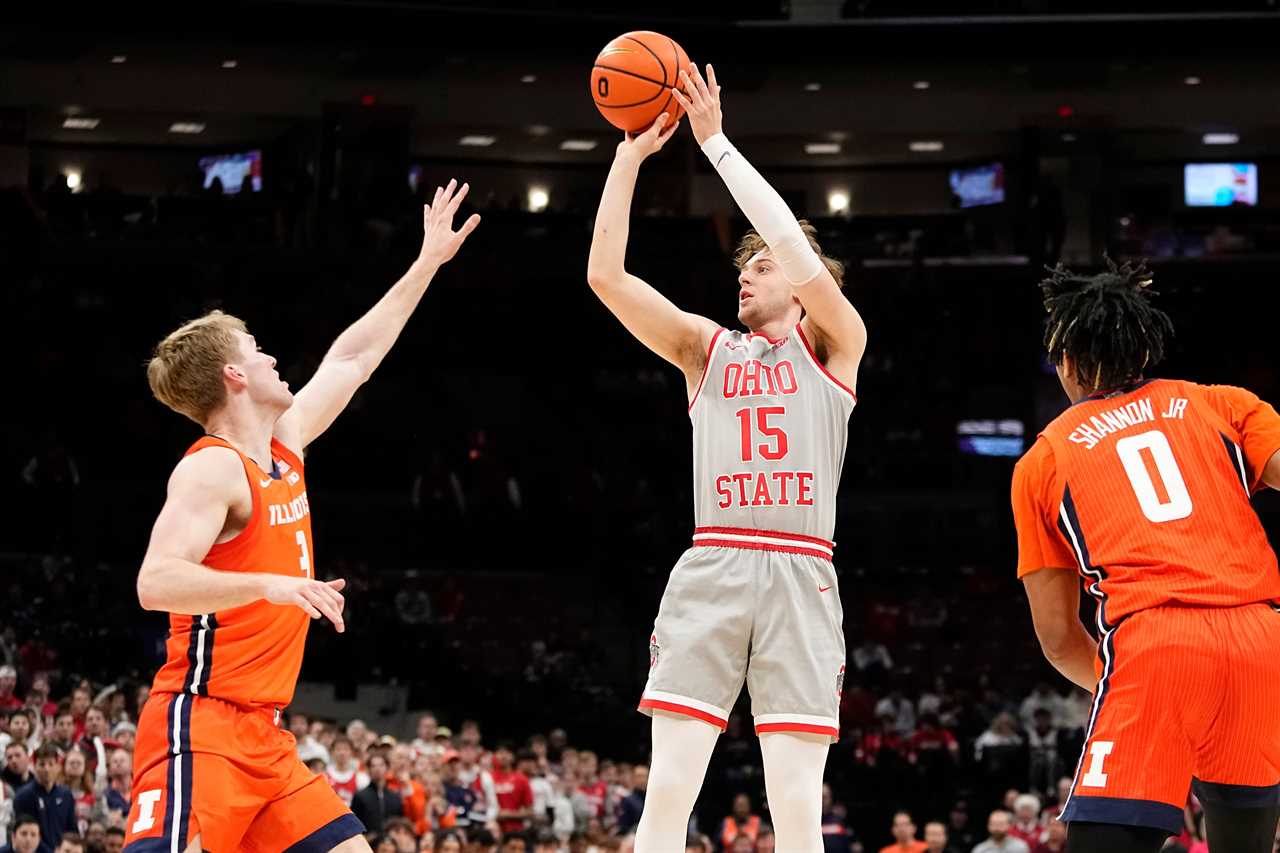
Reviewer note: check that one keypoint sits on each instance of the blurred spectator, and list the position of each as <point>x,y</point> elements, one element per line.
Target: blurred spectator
<point>1054,809</point>
<point>527,763</point>
<point>1055,838</point>
<point>1001,755</point>
<point>425,742</point>
<point>882,745</point>
<point>904,836</point>
<point>460,796</point>
<point>766,841</point>
<point>632,805</point>
<point>935,838</point>
<point>8,681</point>
<point>21,730</point>
<point>25,837</point>
<point>872,661</point>
<point>76,777</point>
<point>515,795</point>
<point>960,830</point>
<point>64,730</point>
<point>999,840</point>
<point>375,803</point>
<point>17,766</point>
<point>51,803</point>
<point>413,796</point>
<point>1042,697</point>
<point>38,699</point>
<point>901,709</point>
<point>71,842</point>
<point>836,835</point>
<point>742,844</point>
<point>114,800</point>
<point>308,746</point>
<point>96,743</point>
<point>470,774</point>
<point>740,822</point>
<point>592,793</point>
<point>115,839</point>
<point>402,834</point>
<point>931,743</point>
<point>1042,744</point>
<point>1026,820</point>
<point>343,774</point>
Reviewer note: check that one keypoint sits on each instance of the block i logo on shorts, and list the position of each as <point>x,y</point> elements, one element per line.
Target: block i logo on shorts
<point>654,649</point>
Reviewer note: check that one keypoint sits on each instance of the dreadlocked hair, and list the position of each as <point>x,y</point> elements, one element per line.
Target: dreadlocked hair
<point>1105,323</point>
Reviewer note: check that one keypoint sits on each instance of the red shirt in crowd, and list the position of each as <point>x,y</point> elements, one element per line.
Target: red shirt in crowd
<point>514,792</point>
<point>922,741</point>
<point>10,703</point>
<point>596,794</point>
<point>873,743</point>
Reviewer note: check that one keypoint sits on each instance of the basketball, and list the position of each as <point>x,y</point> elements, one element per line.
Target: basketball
<point>632,79</point>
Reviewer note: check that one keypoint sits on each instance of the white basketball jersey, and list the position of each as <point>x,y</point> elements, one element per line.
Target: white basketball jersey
<point>770,426</point>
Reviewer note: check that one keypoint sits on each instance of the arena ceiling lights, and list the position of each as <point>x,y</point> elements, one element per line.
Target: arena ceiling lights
<point>926,146</point>
<point>822,148</point>
<point>578,145</point>
<point>477,140</point>
<point>80,123</point>
<point>186,127</point>
<point>1220,138</point>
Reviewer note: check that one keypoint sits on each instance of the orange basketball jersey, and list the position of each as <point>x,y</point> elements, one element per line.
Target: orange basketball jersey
<point>1147,491</point>
<point>249,655</point>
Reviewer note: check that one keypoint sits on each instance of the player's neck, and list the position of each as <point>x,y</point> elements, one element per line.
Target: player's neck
<point>247,429</point>
<point>775,330</point>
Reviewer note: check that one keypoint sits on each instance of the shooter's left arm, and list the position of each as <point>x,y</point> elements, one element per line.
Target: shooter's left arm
<point>359,350</point>
<point>832,324</point>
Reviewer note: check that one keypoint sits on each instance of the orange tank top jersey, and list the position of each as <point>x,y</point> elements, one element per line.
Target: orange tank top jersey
<point>1146,491</point>
<point>249,655</point>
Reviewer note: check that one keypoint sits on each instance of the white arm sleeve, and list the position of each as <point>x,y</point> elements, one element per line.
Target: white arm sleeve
<point>766,211</point>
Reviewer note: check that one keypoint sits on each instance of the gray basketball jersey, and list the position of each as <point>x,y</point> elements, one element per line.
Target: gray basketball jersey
<point>770,426</point>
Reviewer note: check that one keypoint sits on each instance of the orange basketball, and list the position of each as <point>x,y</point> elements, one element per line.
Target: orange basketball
<point>633,78</point>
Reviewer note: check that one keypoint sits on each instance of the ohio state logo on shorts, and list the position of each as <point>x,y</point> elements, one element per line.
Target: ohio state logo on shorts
<point>653,651</point>
<point>840,682</point>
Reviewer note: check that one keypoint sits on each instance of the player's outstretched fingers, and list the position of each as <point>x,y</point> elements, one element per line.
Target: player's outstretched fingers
<point>301,600</point>
<point>338,583</point>
<point>712,84</point>
<point>325,606</point>
<point>691,94</point>
<point>470,225</point>
<point>457,200</point>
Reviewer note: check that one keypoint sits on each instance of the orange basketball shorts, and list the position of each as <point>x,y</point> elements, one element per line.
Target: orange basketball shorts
<point>1187,696</point>
<point>230,774</point>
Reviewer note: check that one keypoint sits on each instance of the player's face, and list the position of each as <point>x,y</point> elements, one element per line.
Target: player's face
<point>262,380</point>
<point>764,294</point>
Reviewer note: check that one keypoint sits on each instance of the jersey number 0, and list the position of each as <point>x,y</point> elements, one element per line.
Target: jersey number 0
<point>1175,502</point>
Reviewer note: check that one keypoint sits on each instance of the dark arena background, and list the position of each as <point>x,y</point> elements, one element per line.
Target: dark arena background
<point>508,493</point>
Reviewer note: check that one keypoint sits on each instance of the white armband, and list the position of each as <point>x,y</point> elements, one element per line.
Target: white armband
<point>765,209</point>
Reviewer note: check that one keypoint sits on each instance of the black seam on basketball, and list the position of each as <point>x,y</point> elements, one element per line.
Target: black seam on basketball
<point>632,74</point>
<point>654,55</point>
<point>668,103</point>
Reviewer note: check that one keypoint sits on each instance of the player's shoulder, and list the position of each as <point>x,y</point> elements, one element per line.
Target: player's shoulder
<point>213,469</point>
<point>1036,467</point>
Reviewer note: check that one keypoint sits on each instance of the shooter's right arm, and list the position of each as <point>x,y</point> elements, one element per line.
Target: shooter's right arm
<point>678,336</point>
<point>202,491</point>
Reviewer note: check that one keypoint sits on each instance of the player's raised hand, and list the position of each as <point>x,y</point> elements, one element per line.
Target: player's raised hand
<point>701,100</point>
<point>642,145</point>
<point>318,599</point>
<point>439,241</point>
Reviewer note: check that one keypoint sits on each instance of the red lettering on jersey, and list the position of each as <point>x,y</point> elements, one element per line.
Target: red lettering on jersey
<point>722,488</point>
<point>751,378</point>
<point>804,497</point>
<point>741,480</point>
<point>783,478</point>
<point>732,379</point>
<point>786,374</point>
<point>762,492</point>
<point>756,379</point>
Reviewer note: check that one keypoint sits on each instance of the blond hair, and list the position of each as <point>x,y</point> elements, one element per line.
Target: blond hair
<point>752,243</point>
<point>185,370</point>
